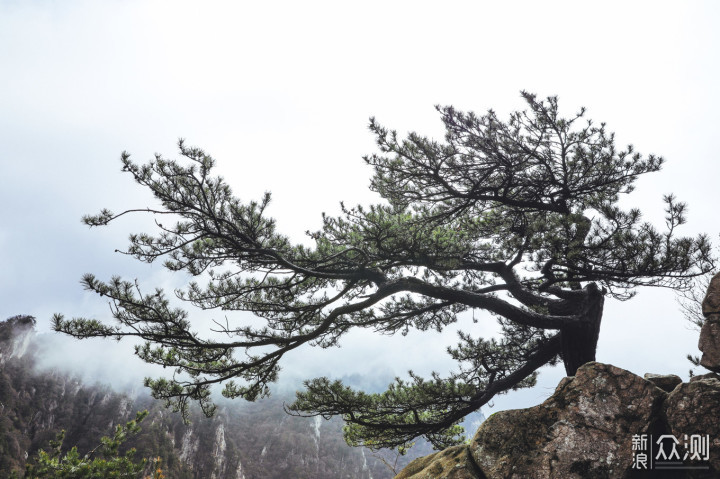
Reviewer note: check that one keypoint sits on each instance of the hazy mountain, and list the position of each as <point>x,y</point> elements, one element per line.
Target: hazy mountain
<point>244,440</point>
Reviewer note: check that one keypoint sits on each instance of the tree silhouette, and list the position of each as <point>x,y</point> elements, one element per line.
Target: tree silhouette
<point>517,217</point>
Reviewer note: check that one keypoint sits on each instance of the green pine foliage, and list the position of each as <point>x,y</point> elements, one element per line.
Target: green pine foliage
<point>103,462</point>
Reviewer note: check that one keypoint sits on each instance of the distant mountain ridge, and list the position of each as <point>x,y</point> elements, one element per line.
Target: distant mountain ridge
<point>244,440</point>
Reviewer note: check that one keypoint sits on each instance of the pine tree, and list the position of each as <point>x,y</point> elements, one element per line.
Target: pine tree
<point>104,462</point>
<point>518,218</point>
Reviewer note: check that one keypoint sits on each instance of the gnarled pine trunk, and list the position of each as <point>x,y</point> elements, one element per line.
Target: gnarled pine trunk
<point>579,341</point>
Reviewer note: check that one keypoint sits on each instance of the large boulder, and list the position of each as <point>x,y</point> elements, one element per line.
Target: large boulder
<point>711,303</point>
<point>588,429</point>
<point>709,342</point>
<point>584,429</point>
<point>666,382</point>
<point>693,409</point>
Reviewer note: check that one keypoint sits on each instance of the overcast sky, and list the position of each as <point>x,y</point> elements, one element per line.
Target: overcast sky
<point>280,94</point>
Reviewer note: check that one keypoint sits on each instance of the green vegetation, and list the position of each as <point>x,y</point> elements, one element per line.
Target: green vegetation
<point>518,218</point>
<point>103,462</point>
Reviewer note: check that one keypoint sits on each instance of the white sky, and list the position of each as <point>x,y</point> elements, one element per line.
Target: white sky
<point>280,94</point>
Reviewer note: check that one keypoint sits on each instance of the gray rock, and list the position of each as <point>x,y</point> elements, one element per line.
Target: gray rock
<point>709,342</point>
<point>583,430</point>
<point>705,376</point>
<point>666,382</point>
<point>692,408</point>
<point>711,303</point>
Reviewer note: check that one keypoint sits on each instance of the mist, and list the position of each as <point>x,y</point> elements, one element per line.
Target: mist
<point>281,98</point>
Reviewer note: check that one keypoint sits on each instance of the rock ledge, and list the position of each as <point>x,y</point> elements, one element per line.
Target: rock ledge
<point>585,429</point>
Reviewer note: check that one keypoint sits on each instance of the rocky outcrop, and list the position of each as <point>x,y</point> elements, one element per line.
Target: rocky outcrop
<point>711,303</point>
<point>588,429</point>
<point>582,430</point>
<point>709,342</point>
<point>692,410</point>
<point>666,382</point>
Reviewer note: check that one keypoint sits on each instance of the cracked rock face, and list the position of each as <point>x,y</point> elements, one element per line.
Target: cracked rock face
<point>583,430</point>
<point>711,303</point>
<point>709,343</point>
<point>692,408</point>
